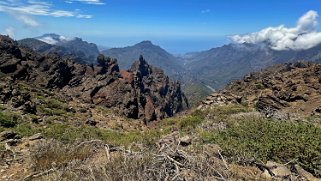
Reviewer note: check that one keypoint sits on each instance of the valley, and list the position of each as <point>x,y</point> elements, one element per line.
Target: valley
<point>102,115</point>
<point>97,90</point>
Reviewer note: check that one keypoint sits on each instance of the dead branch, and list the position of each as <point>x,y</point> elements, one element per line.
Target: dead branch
<point>37,174</point>
<point>107,152</point>
<point>223,159</point>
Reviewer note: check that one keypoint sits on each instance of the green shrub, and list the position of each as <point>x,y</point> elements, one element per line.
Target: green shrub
<point>191,121</point>
<point>68,133</point>
<point>259,86</point>
<point>228,110</point>
<point>271,140</point>
<point>54,103</point>
<point>8,120</point>
<point>26,129</point>
<point>2,74</point>
<point>52,107</point>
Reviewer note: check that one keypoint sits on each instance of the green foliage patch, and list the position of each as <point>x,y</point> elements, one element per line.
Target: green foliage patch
<point>68,134</point>
<point>265,139</point>
<point>8,120</point>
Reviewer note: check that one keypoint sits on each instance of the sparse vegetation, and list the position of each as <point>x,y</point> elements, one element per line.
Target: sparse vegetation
<point>8,120</point>
<point>259,86</point>
<point>69,134</point>
<point>265,139</point>
<point>53,153</point>
<point>196,92</point>
<point>52,107</point>
<point>2,74</point>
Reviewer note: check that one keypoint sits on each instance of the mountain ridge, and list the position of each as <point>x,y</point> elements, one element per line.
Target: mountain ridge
<point>218,66</point>
<point>76,48</point>
<point>143,92</point>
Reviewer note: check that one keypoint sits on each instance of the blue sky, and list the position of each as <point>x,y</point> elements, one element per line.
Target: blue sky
<point>177,25</point>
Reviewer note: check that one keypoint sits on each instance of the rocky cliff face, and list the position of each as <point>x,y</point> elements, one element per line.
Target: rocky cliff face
<point>292,88</point>
<point>143,92</point>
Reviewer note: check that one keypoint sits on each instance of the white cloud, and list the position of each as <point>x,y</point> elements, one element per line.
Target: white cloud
<point>24,11</point>
<point>27,20</point>
<point>303,36</point>
<point>95,2</point>
<point>9,31</point>
<point>48,40</point>
<point>84,16</point>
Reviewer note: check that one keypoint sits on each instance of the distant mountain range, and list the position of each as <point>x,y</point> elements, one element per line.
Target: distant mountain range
<point>199,72</point>
<point>75,48</point>
<point>218,66</point>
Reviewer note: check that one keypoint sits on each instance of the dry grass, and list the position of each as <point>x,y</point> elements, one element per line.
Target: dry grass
<point>170,162</point>
<point>54,154</point>
<point>167,161</point>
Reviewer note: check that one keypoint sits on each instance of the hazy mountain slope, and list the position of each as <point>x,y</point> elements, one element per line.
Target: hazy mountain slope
<point>154,54</point>
<point>77,49</point>
<point>218,66</point>
<point>45,48</point>
<point>82,49</point>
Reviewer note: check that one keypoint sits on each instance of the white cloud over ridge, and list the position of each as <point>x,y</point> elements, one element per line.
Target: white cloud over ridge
<point>24,10</point>
<point>303,36</point>
<point>9,31</point>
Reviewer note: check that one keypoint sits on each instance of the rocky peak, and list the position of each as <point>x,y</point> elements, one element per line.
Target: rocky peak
<point>8,46</point>
<point>143,92</point>
<point>145,43</point>
<point>106,65</point>
<point>141,67</point>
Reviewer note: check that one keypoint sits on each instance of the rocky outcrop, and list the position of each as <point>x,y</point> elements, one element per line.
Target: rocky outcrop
<point>288,88</point>
<point>143,92</point>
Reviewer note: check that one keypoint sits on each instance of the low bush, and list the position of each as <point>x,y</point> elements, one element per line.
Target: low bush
<point>8,120</point>
<point>69,134</point>
<point>53,153</point>
<point>271,140</point>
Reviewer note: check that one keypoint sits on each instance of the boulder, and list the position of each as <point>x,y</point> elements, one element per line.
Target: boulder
<point>35,137</point>
<point>29,107</point>
<point>305,174</point>
<point>185,141</point>
<point>91,122</point>
<point>278,170</point>
<point>5,135</point>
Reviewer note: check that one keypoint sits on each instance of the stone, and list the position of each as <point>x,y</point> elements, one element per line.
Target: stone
<point>278,170</point>
<point>29,107</point>
<point>305,174</point>
<point>185,141</point>
<point>91,122</point>
<point>71,109</point>
<point>318,110</point>
<point>35,137</point>
<point>266,174</point>
<point>13,142</point>
<point>5,135</point>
